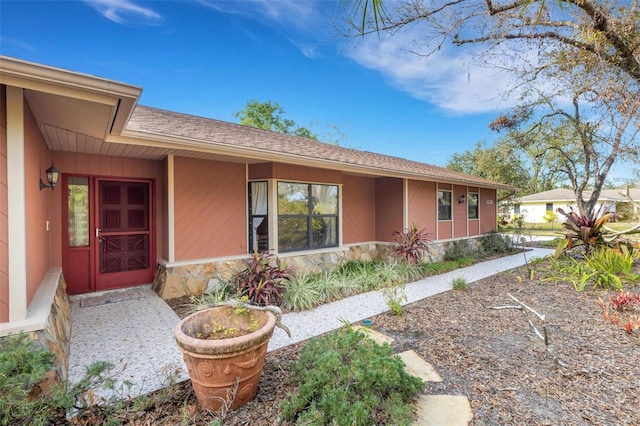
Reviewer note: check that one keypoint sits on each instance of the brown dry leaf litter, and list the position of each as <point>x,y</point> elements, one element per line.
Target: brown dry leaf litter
<point>490,356</point>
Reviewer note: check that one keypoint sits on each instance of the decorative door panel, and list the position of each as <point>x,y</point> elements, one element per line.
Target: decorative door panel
<point>124,234</point>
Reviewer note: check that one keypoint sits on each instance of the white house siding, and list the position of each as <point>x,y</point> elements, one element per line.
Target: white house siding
<point>534,212</point>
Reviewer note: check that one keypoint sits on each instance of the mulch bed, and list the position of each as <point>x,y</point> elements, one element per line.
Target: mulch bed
<point>590,375</point>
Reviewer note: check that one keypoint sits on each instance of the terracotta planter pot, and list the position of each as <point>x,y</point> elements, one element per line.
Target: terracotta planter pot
<point>216,365</point>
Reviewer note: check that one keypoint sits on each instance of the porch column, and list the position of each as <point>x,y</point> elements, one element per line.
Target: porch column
<point>405,204</point>
<point>171,199</point>
<point>17,235</point>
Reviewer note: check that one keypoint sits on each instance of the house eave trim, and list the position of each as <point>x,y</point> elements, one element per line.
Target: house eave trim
<point>146,138</point>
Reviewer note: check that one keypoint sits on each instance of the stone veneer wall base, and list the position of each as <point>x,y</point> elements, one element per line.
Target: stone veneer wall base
<point>190,280</point>
<point>49,322</point>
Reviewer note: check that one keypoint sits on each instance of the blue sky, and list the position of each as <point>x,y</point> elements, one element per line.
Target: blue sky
<point>209,58</point>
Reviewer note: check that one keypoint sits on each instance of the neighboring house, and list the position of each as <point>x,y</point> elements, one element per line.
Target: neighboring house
<point>146,195</point>
<point>533,207</point>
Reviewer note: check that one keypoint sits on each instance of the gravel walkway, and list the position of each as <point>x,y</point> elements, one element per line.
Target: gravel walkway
<point>307,324</point>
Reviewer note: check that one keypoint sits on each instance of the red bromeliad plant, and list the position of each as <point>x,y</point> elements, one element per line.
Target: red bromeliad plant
<point>583,230</point>
<point>411,243</point>
<point>262,280</point>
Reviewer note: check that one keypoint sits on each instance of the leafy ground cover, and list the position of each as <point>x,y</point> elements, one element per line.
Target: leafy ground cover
<point>587,375</point>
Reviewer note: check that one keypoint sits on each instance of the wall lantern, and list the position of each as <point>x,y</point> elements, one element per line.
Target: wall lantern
<point>52,177</point>
<point>461,199</point>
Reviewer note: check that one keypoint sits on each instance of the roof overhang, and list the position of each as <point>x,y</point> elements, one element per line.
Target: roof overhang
<point>83,113</point>
<point>69,105</point>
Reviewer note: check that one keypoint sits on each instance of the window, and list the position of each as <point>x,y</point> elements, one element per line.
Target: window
<point>307,216</point>
<point>444,205</point>
<point>258,218</point>
<point>78,207</point>
<point>549,207</point>
<point>472,206</point>
<point>516,209</point>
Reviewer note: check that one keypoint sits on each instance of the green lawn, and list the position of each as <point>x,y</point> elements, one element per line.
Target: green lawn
<point>555,229</point>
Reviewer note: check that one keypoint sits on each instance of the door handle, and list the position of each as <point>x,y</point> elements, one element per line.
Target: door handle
<point>98,232</point>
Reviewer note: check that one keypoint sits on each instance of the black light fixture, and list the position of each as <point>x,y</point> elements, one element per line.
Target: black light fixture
<point>461,199</point>
<point>52,177</point>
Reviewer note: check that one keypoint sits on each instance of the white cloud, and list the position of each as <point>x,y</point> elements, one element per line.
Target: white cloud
<point>120,11</point>
<point>17,44</point>
<point>302,22</point>
<point>449,78</point>
<point>287,12</point>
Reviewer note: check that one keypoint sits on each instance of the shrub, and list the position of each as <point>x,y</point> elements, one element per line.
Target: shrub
<point>262,279</point>
<point>23,366</point>
<point>462,249</point>
<point>411,244</point>
<point>494,243</point>
<point>346,378</point>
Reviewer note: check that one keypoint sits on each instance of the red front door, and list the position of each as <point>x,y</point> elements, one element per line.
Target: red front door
<point>108,240</point>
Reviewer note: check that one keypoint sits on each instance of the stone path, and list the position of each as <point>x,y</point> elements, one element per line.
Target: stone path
<point>431,410</point>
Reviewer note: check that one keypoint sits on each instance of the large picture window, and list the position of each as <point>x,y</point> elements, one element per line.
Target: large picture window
<point>444,205</point>
<point>472,206</point>
<point>307,216</point>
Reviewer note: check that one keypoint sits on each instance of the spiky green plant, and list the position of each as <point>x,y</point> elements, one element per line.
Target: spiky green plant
<point>582,230</point>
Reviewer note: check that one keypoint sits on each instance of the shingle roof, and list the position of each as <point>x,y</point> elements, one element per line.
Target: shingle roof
<point>563,194</point>
<point>257,143</point>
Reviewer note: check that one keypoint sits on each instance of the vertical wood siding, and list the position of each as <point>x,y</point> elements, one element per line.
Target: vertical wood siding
<point>305,174</point>
<point>293,172</point>
<point>445,227</point>
<point>474,227</point>
<point>474,224</point>
<point>261,171</point>
<point>389,207</point>
<point>358,208</point>
<point>37,203</point>
<point>487,204</point>
<point>459,211</point>
<point>423,206</point>
<point>105,166</point>
<point>444,230</point>
<point>4,222</point>
<point>210,209</point>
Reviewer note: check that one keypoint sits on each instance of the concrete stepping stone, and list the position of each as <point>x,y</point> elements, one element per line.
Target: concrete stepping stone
<point>418,367</point>
<point>377,337</point>
<point>440,410</point>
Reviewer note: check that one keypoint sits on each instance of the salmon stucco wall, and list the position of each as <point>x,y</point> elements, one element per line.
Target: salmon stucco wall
<point>423,205</point>
<point>210,209</point>
<point>487,204</point>
<point>104,166</point>
<point>4,219</point>
<point>389,207</point>
<point>358,208</point>
<point>37,203</point>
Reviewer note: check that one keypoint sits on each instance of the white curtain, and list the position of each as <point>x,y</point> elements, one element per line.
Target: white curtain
<point>258,207</point>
